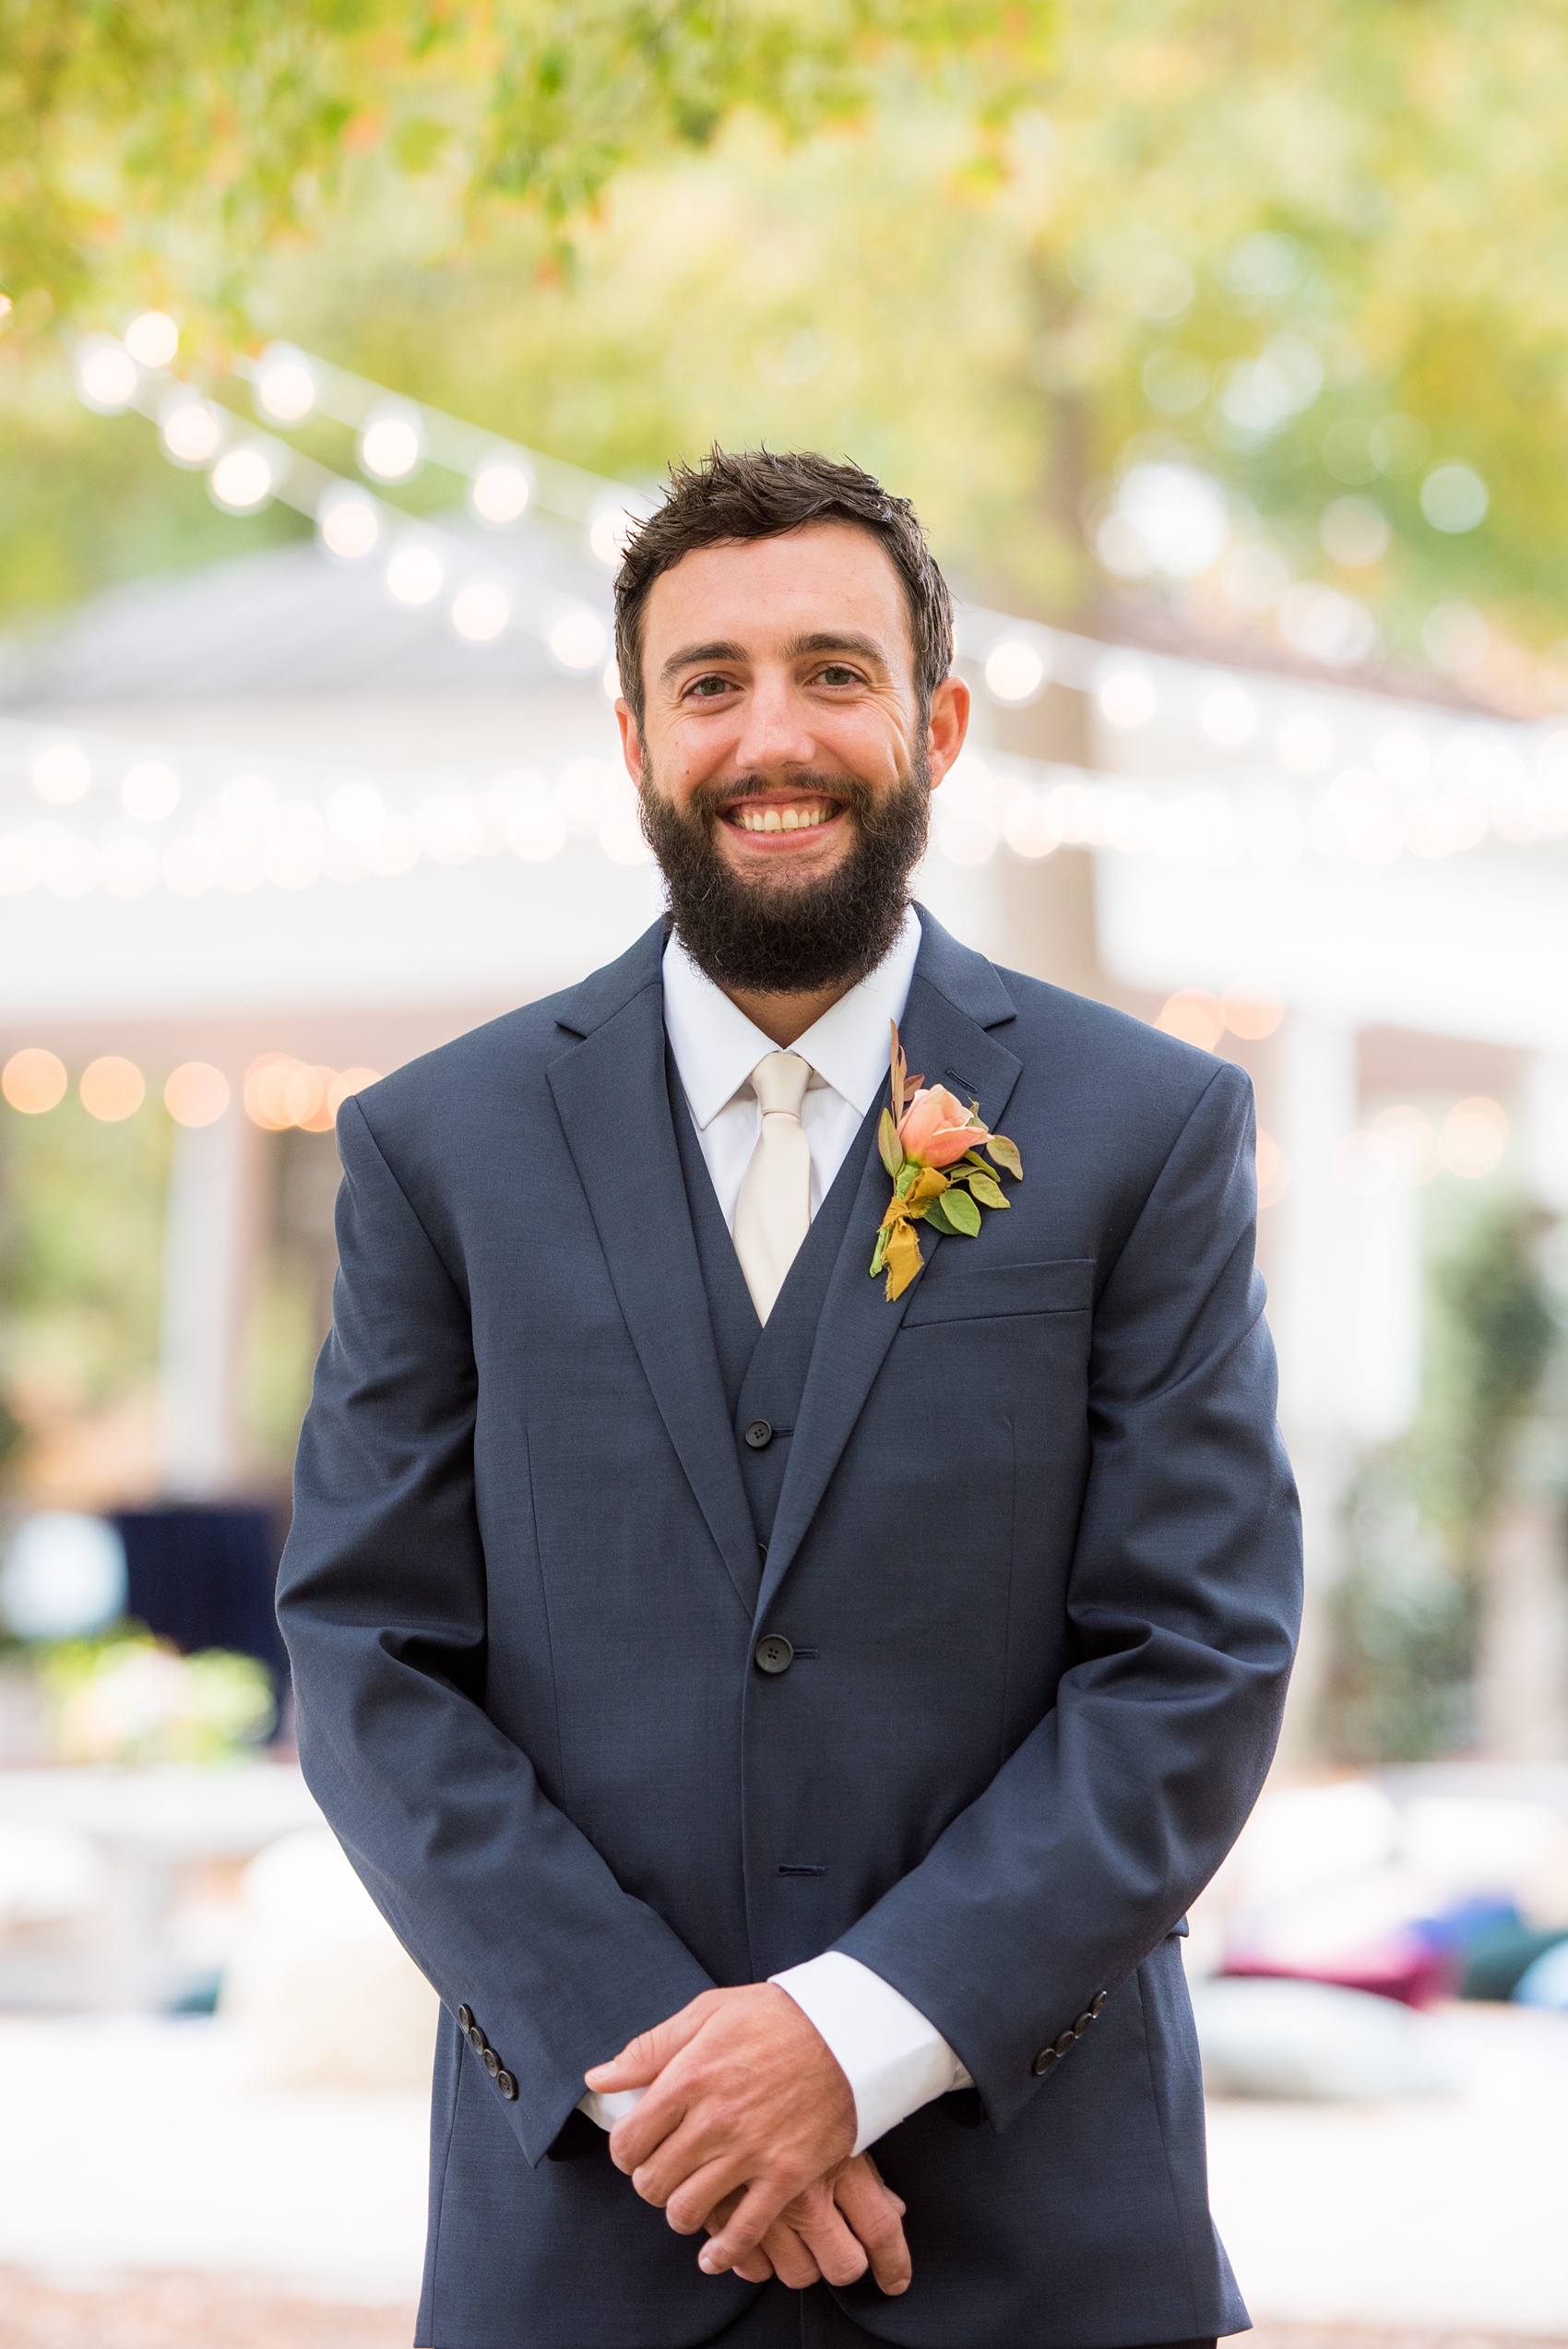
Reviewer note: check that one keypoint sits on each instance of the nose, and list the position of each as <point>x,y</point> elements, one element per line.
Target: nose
<point>775,736</point>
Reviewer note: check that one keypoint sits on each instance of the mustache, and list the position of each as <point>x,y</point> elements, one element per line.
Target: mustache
<point>711,800</point>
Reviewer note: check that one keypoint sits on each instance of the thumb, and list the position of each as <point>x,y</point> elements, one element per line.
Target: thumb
<point>642,2060</point>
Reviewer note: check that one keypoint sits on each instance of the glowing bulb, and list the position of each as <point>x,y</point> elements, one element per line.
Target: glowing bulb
<point>196,1094</point>
<point>152,338</point>
<point>608,532</point>
<point>500,492</point>
<point>1127,698</point>
<point>349,526</point>
<point>391,447</point>
<point>33,1082</point>
<point>111,1088</point>
<point>481,612</point>
<point>285,385</point>
<point>192,431</point>
<point>61,773</point>
<point>150,790</point>
<point>242,479</point>
<point>579,640</point>
<point>106,375</point>
<point>414,576</point>
<point>1014,671</point>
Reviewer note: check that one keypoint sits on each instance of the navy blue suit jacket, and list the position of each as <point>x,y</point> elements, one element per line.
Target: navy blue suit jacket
<point>1037,1527</point>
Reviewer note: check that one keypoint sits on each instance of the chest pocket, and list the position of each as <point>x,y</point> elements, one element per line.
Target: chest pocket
<point>961,1292</point>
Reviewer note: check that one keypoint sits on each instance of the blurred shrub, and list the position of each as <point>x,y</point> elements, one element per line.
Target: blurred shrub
<point>1407,1611</point>
<point>132,1699</point>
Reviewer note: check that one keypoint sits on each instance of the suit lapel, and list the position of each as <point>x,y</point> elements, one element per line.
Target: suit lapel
<point>611,1085</point>
<point>954,998</point>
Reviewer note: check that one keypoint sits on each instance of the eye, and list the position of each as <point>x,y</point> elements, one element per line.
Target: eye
<point>709,688</point>
<point>838,674</point>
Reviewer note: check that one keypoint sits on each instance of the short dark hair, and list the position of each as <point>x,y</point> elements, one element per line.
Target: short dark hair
<point>753,494</point>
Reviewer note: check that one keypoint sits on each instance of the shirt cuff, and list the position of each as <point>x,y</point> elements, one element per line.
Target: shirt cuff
<point>892,2058</point>
<point>607,2109</point>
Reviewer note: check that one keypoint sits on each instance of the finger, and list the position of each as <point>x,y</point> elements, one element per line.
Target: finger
<point>758,2266</point>
<point>793,2261</point>
<point>694,2200</point>
<point>874,2215</point>
<point>822,2229</point>
<point>759,2206</point>
<point>642,2060</point>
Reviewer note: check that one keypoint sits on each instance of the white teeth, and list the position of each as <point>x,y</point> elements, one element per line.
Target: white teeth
<point>791,819</point>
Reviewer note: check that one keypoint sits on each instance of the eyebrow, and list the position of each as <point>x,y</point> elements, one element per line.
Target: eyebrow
<point>824,641</point>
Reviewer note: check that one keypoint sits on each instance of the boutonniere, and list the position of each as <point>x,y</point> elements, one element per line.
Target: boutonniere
<point>930,1145</point>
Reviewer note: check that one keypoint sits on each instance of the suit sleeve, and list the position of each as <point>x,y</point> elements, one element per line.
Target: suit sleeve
<point>1183,1603</point>
<point>500,1900</point>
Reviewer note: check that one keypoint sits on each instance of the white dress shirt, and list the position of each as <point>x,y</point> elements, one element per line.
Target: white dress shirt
<point>894,2059</point>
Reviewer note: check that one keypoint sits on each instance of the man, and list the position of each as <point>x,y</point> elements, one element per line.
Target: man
<point>782,1717</point>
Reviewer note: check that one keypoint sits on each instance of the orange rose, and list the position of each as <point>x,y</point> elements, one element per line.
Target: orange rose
<point>937,1128</point>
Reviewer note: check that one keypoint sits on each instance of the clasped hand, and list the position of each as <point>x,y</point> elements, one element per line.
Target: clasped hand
<point>747,2126</point>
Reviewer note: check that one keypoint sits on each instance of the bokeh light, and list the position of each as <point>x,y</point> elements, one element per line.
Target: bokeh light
<point>1016,671</point>
<point>500,491</point>
<point>196,1094</point>
<point>106,375</point>
<point>579,640</point>
<point>111,1088</point>
<point>480,613</point>
<point>152,338</point>
<point>1193,1015</point>
<point>242,479</point>
<point>285,385</point>
<point>191,429</point>
<point>150,790</point>
<point>415,576</point>
<point>392,446</point>
<point>348,525</point>
<point>33,1080</point>
<point>1474,1137</point>
<point>61,773</point>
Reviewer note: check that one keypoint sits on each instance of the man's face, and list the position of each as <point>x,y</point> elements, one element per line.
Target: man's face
<point>783,758</point>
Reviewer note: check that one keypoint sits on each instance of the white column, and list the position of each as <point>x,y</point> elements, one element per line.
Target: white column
<point>211,1240</point>
<point>1315,1109</point>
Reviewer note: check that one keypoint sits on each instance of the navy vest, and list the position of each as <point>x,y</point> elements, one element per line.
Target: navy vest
<point>763,1370</point>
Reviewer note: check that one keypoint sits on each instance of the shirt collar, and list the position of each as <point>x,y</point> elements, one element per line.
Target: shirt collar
<point>716,1047</point>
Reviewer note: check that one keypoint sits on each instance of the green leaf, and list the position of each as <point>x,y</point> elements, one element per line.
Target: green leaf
<point>938,1215</point>
<point>879,1254</point>
<point>905,1180</point>
<point>888,1144</point>
<point>987,1189</point>
<point>1006,1153</point>
<point>962,1212</point>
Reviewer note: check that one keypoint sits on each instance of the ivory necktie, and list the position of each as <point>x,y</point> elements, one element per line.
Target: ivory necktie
<point>774,1212</point>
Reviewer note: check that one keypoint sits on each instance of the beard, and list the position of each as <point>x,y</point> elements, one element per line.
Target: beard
<point>792,937</point>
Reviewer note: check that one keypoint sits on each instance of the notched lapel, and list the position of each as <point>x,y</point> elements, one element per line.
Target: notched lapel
<point>858,1324</point>
<point>611,1085</point>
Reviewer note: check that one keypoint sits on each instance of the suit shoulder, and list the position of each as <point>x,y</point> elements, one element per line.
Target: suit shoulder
<point>519,1043</point>
<point>1059,1027</point>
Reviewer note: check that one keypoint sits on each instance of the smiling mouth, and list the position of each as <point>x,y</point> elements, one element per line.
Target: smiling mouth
<point>799,817</point>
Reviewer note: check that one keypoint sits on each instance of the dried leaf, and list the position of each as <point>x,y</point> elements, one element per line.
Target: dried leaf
<point>1006,1153</point>
<point>888,1144</point>
<point>904,1259</point>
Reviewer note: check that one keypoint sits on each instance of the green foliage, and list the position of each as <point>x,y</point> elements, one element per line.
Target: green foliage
<point>1407,1614</point>
<point>129,133</point>
<point>80,1257</point>
<point>128,1697</point>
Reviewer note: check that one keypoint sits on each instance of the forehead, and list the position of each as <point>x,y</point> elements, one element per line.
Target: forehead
<point>761,593</point>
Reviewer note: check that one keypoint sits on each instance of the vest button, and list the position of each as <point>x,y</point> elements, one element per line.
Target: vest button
<point>774,1654</point>
<point>759,1434</point>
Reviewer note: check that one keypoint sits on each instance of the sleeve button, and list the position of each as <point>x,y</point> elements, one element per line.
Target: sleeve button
<point>1097,2001</point>
<point>465,2019</point>
<point>1045,2061</point>
<point>1083,2023</point>
<point>493,2063</point>
<point>477,2039</point>
<point>1065,2044</point>
<point>507,2085</point>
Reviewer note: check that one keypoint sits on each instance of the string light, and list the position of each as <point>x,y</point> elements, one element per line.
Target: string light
<point>285,385</point>
<point>415,576</point>
<point>501,490</point>
<point>111,1088</point>
<point>191,430</point>
<point>152,338</point>
<point>480,612</point>
<point>33,1080</point>
<point>107,379</point>
<point>242,479</point>
<point>196,1094</point>
<point>392,446</point>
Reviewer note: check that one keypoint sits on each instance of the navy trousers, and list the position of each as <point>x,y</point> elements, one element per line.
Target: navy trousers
<point>779,2318</point>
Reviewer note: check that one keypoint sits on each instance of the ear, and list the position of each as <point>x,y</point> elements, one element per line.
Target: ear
<point>949,725</point>
<point>631,740</point>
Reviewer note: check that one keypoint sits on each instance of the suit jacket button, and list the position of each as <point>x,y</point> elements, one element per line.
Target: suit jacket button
<point>1065,2044</point>
<point>759,1434</point>
<point>493,2063</point>
<point>465,2019</point>
<point>477,2039</point>
<point>507,2085</point>
<point>1097,2001</point>
<point>1083,2023</point>
<point>1044,2062</point>
<point>774,1654</point>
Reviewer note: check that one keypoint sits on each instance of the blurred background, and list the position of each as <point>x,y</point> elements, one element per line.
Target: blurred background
<point>1226,357</point>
